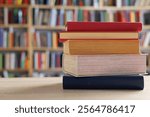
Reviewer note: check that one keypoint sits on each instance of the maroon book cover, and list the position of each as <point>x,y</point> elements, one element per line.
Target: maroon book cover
<point>104,26</point>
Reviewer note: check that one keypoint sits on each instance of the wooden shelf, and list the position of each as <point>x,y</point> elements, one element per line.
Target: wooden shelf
<point>14,70</point>
<point>49,27</point>
<point>146,27</point>
<point>92,8</point>
<point>13,49</point>
<point>13,6</point>
<point>14,26</point>
<point>49,70</point>
<point>47,49</point>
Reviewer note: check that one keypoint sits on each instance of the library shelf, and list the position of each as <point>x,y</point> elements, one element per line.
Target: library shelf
<point>47,49</point>
<point>14,49</point>
<point>146,27</point>
<point>38,27</point>
<point>14,26</point>
<point>92,8</point>
<point>14,70</point>
<point>49,70</point>
<point>14,6</point>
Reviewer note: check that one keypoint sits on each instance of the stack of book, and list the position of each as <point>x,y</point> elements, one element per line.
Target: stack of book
<point>102,56</point>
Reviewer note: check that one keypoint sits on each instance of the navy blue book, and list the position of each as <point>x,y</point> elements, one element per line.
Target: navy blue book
<point>134,82</point>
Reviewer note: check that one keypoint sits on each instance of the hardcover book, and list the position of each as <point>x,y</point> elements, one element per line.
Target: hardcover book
<point>104,82</point>
<point>110,64</point>
<point>97,26</point>
<point>97,35</point>
<point>91,47</point>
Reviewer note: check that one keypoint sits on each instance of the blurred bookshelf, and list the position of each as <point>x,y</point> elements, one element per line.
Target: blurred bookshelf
<point>28,30</point>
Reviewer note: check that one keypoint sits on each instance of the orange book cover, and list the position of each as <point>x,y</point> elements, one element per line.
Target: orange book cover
<point>91,47</point>
<point>55,40</point>
<point>26,63</point>
<point>11,38</point>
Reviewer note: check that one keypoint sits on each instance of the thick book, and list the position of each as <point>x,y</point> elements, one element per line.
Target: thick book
<point>104,26</point>
<point>63,36</point>
<point>134,82</point>
<point>110,64</point>
<point>90,47</point>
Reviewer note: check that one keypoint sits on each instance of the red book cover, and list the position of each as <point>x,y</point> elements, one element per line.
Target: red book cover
<point>9,1</point>
<point>138,16</point>
<point>104,26</point>
<point>69,2</point>
<point>2,2</point>
<point>86,15</point>
<point>26,1</point>
<point>39,60</point>
<point>81,3</point>
<point>24,11</point>
<point>10,16</point>
<point>119,16</point>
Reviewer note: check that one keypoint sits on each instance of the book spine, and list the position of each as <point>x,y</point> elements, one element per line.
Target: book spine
<point>114,82</point>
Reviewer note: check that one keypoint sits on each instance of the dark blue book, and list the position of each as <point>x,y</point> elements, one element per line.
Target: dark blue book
<point>134,82</point>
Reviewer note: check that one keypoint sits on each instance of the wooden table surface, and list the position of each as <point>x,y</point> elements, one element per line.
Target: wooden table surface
<point>51,88</point>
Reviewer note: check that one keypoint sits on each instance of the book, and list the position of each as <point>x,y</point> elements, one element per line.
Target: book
<point>1,60</point>
<point>9,1</point>
<point>135,82</point>
<point>97,35</point>
<point>2,1</point>
<point>90,47</point>
<point>1,16</point>
<point>53,17</point>
<point>97,26</point>
<point>46,60</point>
<point>17,15</point>
<point>110,64</point>
<point>13,60</point>
<point>1,37</point>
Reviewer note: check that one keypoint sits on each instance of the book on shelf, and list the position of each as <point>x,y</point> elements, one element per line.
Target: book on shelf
<point>146,17</point>
<point>9,1</point>
<point>17,16</point>
<point>120,3</point>
<point>91,47</point>
<point>1,16</point>
<point>16,2</point>
<point>45,17</point>
<point>58,17</point>
<point>55,17</point>
<point>96,26</point>
<point>13,38</point>
<point>92,3</point>
<point>45,2</point>
<point>127,16</point>
<point>104,82</point>
<point>2,1</point>
<point>1,61</point>
<point>47,60</point>
<point>13,60</point>
<point>46,39</point>
<point>110,64</point>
